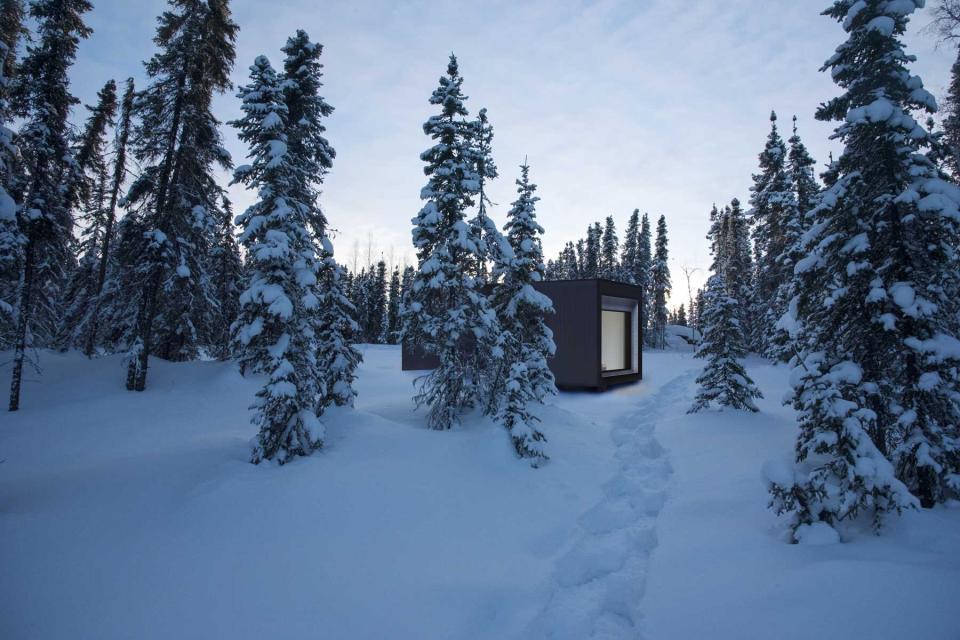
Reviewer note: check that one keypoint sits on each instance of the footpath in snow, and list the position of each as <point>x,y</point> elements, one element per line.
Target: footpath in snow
<point>137,515</point>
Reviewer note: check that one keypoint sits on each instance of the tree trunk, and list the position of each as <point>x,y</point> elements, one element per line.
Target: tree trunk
<point>23,329</point>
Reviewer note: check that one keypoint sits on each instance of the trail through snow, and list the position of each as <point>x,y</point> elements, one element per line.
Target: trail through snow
<point>600,580</point>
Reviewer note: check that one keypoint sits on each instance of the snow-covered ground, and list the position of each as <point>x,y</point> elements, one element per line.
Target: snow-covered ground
<point>138,516</point>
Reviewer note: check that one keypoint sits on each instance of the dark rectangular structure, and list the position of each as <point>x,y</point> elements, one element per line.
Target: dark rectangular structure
<point>597,329</point>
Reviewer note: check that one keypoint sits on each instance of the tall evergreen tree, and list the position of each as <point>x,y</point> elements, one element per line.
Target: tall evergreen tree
<point>630,256</point>
<point>109,217</point>
<point>374,314</point>
<point>609,250</point>
<point>92,191</point>
<point>277,330</point>
<point>591,258</point>
<point>445,305</point>
<point>521,310</point>
<point>178,142</point>
<point>738,264</point>
<point>489,245</point>
<point>773,206</point>
<point>724,381</point>
<point>393,308</point>
<point>878,352</point>
<point>306,109</point>
<point>806,191</point>
<point>643,273</point>
<point>338,360</point>
<point>226,271</point>
<point>660,286</point>
<point>12,240</point>
<point>45,216</point>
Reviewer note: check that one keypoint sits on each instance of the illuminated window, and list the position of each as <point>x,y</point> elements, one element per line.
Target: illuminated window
<point>615,340</point>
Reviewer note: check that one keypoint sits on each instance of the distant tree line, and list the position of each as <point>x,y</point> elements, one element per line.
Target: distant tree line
<point>600,254</point>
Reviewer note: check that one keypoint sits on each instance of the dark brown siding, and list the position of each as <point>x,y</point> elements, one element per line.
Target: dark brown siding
<point>576,331</point>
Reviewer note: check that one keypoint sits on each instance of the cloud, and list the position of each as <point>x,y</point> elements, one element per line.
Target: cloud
<point>654,104</point>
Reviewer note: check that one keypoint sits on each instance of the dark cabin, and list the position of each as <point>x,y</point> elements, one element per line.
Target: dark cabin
<point>596,327</point>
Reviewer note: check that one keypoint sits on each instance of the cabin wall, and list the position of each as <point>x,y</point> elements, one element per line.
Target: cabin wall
<point>576,331</point>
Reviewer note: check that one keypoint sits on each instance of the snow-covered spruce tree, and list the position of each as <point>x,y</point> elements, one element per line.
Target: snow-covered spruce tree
<point>92,194</point>
<point>592,253</point>
<point>12,240</point>
<point>630,253</point>
<point>338,359</point>
<point>393,308</point>
<point>373,315</point>
<point>660,286</point>
<point>724,381</point>
<point>226,272</point>
<point>527,341</point>
<point>570,266</point>
<point>277,329</point>
<point>875,378</point>
<point>445,307</point>
<point>643,274</point>
<point>773,206</point>
<point>489,243</point>
<point>738,264</point>
<point>178,142</point>
<point>45,217</point>
<point>806,191</point>
<point>109,218</point>
<point>306,108</point>
<point>609,250</point>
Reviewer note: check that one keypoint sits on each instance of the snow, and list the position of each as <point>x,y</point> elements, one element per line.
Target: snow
<point>140,511</point>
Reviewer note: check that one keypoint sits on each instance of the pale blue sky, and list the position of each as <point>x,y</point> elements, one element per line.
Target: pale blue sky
<point>652,104</point>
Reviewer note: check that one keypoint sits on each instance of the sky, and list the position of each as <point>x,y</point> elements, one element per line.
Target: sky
<point>655,105</point>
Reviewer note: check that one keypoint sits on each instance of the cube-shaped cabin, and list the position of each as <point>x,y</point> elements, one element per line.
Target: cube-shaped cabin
<point>597,329</point>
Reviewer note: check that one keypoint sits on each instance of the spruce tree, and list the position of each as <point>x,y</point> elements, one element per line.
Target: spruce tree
<point>609,249</point>
<point>12,239</point>
<point>806,191</point>
<point>489,245</point>
<point>724,381</point>
<point>306,109</point>
<point>445,305</point>
<point>277,330</point>
<point>338,359</point>
<point>109,217</point>
<point>738,265</point>
<point>591,258</point>
<point>228,281</point>
<point>643,273</point>
<point>178,142</point>
<point>45,217</point>
<point>393,308</point>
<point>92,192</point>
<point>660,286</point>
<point>878,352</point>
<point>630,256</point>
<point>375,313</point>
<point>521,310</point>
<point>681,316</point>
<point>773,207</point>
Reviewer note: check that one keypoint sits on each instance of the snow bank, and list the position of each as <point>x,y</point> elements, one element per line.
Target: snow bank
<point>137,515</point>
